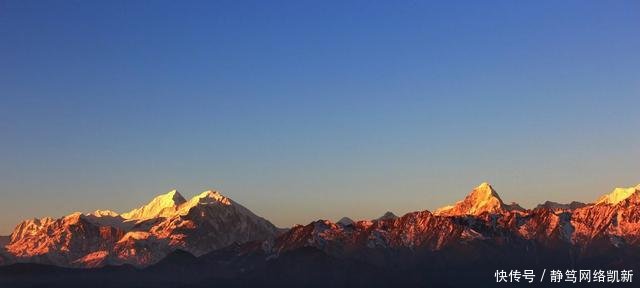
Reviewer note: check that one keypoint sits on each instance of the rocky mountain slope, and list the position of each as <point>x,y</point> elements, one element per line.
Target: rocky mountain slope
<point>460,249</point>
<point>140,237</point>
<point>483,199</point>
<point>479,228</point>
<point>483,217</point>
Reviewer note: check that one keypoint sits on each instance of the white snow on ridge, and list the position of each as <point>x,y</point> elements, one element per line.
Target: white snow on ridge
<point>618,195</point>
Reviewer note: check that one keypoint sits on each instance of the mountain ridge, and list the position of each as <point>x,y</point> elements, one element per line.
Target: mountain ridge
<point>211,221</point>
<point>482,199</point>
<point>141,237</point>
<point>161,205</point>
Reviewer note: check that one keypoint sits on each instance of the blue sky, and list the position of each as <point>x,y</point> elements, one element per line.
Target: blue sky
<point>304,110</point>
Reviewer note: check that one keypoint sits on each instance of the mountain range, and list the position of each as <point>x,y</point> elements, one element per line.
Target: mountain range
<point>141,237</point>
<point>212,239</point>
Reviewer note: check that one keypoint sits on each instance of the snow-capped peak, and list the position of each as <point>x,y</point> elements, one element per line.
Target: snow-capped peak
<point>210,197</point>
<point>103,213</point>
<point>73,216</point>
<point>161,206</point>
<point>618,195</point>
<point>482,199</point>
<point>485,191</point>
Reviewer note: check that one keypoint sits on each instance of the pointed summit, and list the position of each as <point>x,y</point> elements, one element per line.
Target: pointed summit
<point>388,216</point>
<point>481,199</point>
<point>162,206</point>
<point>212,196</point>
<point>209,197</point>
<point>141,237</point>
<point>485,191</point>
<point>345,221</point>
<point>618,195</point>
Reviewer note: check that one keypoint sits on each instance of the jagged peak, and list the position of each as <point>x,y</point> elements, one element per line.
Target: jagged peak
<point>484,191</point>
<point>161,205</point>
<point>344,221</point>
<point>172,197</point>
<point>387,216</point>
<point>617,195</point>
<point>36,221</point>
<point>73,216</point>
<point>513,206</point>
<point>555,206</point>
<point>482,198</point>
<point>209,197</point>
<point>103,213</point>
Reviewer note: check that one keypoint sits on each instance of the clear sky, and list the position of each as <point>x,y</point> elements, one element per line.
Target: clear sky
<point>304,110</point>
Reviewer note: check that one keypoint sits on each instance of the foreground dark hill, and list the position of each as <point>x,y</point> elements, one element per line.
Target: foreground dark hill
<point>469,266</point>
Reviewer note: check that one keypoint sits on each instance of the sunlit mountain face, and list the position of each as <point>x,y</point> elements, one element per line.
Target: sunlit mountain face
<point>212,240</point>
<point>141,237</point>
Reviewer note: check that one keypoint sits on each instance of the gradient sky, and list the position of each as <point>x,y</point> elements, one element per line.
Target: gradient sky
<point>304,110</point>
